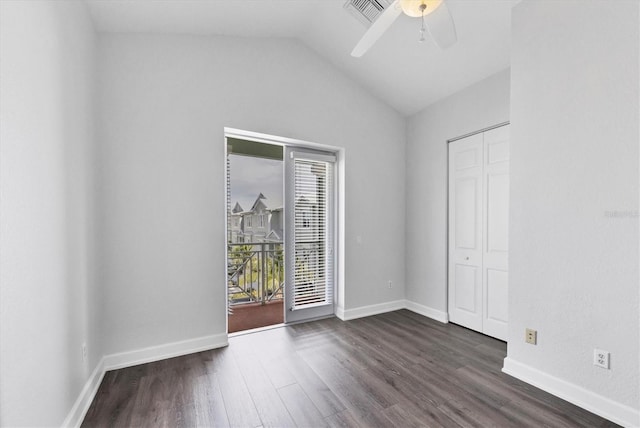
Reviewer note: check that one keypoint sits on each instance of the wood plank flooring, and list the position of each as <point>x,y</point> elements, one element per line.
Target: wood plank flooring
<point>392,370</point>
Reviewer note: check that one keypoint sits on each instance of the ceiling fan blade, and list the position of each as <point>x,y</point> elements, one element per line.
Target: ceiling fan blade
<point>377,29</point>
<point>441,26</point>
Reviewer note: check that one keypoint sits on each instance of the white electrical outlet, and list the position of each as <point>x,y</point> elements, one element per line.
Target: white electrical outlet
<point>84,352</point>
<point>601,358</point>
<point>531,336</point>
<point>390,284</point>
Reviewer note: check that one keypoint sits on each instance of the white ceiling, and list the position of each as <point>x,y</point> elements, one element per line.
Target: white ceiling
<point>399,70</point>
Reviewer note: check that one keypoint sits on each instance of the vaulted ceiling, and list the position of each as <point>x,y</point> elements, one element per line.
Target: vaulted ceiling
<point>399,70</point>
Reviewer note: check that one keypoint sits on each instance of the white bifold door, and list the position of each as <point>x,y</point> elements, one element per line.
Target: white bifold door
<point>478,231</point>
<point>309,234</point>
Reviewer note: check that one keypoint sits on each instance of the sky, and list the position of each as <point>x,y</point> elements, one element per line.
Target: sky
<point>251,176</point>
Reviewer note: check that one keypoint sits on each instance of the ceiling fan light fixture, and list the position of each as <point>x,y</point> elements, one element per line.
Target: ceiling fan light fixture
<point>442,29</point>
<point>415,8</point>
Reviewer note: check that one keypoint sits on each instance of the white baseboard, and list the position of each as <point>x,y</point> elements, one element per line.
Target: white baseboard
<point>161,352</point>
<point>426,311</point>
<point>366,311</point>
<point>133,358</point>
<point>595,403</point>
<point>81,406</point>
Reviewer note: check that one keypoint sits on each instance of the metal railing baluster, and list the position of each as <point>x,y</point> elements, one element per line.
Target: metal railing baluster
<point>247,286</point>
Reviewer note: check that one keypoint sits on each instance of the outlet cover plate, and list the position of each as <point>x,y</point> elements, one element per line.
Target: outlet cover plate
<point>531,336</point>
<point>601,358</point>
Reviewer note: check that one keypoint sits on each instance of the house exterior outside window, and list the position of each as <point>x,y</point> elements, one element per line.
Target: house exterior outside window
<point>259,224</point>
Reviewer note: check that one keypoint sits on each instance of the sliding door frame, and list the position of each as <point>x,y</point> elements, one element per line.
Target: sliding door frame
<point>338,203</point>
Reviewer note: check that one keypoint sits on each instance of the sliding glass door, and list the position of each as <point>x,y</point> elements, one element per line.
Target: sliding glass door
<point>309,234</point>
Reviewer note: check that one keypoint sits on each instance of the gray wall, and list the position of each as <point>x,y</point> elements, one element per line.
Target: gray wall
<point>476,107</point>
<point>163,104</point>
<point>573,267</point>
<point>49,300</point>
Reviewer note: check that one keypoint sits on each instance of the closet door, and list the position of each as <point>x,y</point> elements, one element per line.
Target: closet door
<point>465,232</point>
<point>495,232</point>
<point>479,231</point>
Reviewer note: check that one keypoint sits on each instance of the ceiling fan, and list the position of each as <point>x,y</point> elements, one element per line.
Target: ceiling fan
<point>435,17</point>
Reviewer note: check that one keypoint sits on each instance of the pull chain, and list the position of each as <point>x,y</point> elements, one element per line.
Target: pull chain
<point>422,29</point>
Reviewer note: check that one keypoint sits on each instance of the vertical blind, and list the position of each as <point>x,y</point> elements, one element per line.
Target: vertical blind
<point>228,200</point>
<point>313,277</point>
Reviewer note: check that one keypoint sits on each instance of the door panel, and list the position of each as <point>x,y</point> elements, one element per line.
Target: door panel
<point>497,281</point>
<point>465,232</point>
<point>467,158</point>
<point>466,278</point>
<point>497,146</point>
<point>497,212</point>
<point>309,214</point>
<point>496,232</point>
<point>466,212</point>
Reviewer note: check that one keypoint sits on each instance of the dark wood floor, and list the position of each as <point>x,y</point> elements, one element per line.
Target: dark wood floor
<point>391,370</point>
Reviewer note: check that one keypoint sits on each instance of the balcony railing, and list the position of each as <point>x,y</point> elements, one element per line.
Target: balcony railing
<point>255,272</point>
